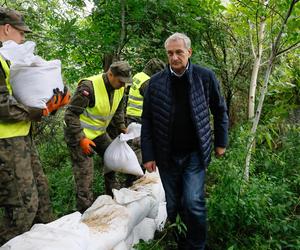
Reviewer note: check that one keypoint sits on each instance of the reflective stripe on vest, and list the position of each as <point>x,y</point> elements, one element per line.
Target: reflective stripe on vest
<point>135,99</point>
<point>11,129</point>
<point>95,120</point>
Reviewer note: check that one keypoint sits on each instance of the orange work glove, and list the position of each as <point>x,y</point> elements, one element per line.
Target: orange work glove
<point>54,103</point>
<point>66,96</point>
<point>86,144</point>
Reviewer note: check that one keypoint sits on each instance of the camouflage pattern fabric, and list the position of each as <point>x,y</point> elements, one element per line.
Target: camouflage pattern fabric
<point>153,66</point>
<point>24,193</point>
<point>83,170</point>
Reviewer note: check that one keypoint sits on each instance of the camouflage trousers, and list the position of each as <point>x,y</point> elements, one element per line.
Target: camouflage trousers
<point>24,194</point>
<point>83,170</point>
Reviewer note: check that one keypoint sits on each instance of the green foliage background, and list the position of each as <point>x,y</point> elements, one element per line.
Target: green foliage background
<point>263,213</point>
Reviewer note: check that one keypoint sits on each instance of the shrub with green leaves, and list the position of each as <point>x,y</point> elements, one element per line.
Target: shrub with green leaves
<point>264,212</point>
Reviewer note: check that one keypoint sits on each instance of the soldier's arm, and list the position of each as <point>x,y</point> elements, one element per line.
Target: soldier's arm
<point>143,87</point>
<point>83,97</point>
<point>10,109</point>
<point>118,120</point>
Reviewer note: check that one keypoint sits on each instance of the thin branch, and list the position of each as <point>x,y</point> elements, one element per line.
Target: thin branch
<point>273,10</point>
<point>245,5</point>
<point>276,44</point>
<point>292,47</point>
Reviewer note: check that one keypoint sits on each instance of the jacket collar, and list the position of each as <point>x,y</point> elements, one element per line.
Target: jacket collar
<point>179,75</point>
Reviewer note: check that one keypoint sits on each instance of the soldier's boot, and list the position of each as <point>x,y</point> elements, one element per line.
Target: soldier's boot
<point>129,179</point>
<point>110,182</point>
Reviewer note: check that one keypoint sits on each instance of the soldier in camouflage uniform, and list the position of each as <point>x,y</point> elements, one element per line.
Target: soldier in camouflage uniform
<point>24,194</point>
<point>134,105</point>
<point>96,104</point>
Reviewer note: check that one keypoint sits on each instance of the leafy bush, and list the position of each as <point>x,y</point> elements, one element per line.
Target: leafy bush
<point>264,212</point>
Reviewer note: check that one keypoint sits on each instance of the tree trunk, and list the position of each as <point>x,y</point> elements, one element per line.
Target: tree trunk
<point>257,116</point>
<point>257,59</point>
<point>274,53</point>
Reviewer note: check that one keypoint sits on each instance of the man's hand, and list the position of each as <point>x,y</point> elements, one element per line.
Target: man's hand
<point>150,166</point>
<point>219,152</point>
<point>85,144</point>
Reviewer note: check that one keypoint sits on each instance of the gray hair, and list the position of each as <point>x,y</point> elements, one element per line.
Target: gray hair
<point>179,36</point>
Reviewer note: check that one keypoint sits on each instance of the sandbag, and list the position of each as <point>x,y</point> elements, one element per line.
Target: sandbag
<point>108,223</point>
<point>32,78</point>
<point>120,157</point>
<point>151,184</point>
<point>143,206</point>
<point>66,233</point>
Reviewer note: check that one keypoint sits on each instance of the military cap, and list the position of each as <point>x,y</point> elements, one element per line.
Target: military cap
<point>14,18</point>
<point>122,70</point>
<point>153,66</point>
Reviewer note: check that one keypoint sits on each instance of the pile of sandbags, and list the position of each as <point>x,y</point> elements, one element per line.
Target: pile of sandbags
<point>109,224</point>
<point>66,233</point>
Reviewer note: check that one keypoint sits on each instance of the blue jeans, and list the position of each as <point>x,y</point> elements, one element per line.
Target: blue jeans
<point>183,182</point>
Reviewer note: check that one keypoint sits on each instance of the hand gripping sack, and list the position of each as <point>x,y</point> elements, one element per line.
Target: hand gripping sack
<point>119,156</point>
<point>31,77</point>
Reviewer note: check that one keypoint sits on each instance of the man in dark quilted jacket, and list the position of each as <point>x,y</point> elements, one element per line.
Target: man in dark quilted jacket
<point>176,135</point>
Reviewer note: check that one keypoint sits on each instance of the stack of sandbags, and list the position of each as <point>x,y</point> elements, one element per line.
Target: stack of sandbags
<point>151,184</point>
<point>109,224</point>
<point>66,233</point>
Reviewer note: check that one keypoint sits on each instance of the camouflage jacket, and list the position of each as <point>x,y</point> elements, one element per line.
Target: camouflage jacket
<point>84,97</point>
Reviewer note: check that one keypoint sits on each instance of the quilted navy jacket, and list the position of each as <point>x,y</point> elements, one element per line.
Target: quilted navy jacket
<point>158,114</point>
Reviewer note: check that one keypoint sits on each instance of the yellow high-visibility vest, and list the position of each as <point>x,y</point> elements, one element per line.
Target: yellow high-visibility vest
<point>95,120</point>
<point>11,129</point>
<point>135,99</point>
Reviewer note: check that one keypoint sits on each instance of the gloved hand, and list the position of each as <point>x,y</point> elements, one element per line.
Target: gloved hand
<point>86,144</point>
<point>54,103</point>
<point>66,96</point>
<point>59,99</point>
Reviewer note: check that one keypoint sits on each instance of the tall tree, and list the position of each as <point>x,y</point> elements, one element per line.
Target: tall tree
<point>277,48</point>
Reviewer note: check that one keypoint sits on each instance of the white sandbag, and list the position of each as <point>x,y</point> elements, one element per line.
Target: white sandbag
<point>119,156</point>
<point>108,223</point>
<point>151,184</point>
<point>161,217</point>
<point>66,233</point>
<point>133,131</point>
<point>121,246</point>
<point>31,77</point>
<point>140,209</point>
<point>145,231</point>
<point>125,196</point>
